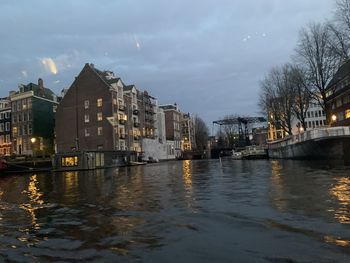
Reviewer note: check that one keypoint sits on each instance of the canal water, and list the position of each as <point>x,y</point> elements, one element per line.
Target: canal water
<point>180,211</point>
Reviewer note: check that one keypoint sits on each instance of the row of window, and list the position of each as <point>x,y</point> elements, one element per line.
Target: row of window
<point>314,124</point>
<point>22,104</point>
<point>341,101</point>
<point>87,117</point>
<point>99,131</point>
<point>343,115</point>
<point>87,103</point>
<point>4,126</point>
<point>5,139</point>
<point>22,130</point>
<point>5,151</point>
<point>319,113</point>
<point>5,115</point>
<point>22,116</point>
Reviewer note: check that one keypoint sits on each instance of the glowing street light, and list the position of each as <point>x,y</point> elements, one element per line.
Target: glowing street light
<point>334,117</point>
<point>33,140</point>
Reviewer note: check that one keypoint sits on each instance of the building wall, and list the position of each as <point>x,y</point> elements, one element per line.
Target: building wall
<point>32,119</point>
<point>188,133</point>
<point>173,126</point>
<point>73,131</point>
<point>315,117</point>
<point>5,127</point>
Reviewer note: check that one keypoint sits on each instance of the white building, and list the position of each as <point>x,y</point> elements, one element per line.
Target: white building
<point>315,117</point>
<point>158,148</point>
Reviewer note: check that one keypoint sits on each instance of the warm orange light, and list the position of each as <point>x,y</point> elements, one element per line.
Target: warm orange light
<point>334,118</point>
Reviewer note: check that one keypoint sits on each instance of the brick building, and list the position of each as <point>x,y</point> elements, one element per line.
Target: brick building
<point>173,126</point>
<point>5,126</point>
<point>100,112</point>
<point>338,97</point>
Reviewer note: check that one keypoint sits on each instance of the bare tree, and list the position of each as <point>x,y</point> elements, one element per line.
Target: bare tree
<point>302,95</point>
<point>230,131</point>
<point>342,14</point>
<point>202,133</point>
<point>339,41</point>
<point>277,97</point>
<point>319,60</point>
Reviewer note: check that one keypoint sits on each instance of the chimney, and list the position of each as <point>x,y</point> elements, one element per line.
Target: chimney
<point>41,87</point>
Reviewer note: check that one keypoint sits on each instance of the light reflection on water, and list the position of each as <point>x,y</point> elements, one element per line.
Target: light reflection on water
<point>197,211</point>
<point>341,191</point>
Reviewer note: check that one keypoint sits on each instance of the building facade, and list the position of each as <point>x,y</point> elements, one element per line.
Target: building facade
<point>33,107</point>
<point>338,97</point>
<point>315,118</point>
<point>173,126</point>
<point>5,127</point>
<point>93,114</point>
<point>188,133</point>
<point>100,112</point>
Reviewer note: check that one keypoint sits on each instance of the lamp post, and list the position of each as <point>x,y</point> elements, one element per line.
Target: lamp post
<point>334,119</point>
<point>33,141</point>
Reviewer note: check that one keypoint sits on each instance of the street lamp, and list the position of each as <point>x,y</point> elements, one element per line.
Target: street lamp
<point>33,140</point>
<point>334,117</point>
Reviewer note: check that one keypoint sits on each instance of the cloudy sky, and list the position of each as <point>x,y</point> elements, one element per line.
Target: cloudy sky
<point>206,55</point>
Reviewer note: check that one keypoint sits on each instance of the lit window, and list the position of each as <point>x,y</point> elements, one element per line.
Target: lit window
<point>99,102</point>
<point>347,114</point>
<point>87,132</point>
<point>86,104</point>
<point>99,131</point>
<point>99,116</point>
<point>87,118</point>
<point>69,161</point>
<point>14,131</point>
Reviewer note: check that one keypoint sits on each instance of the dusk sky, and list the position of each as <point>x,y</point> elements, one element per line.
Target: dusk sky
<point>208,56</point>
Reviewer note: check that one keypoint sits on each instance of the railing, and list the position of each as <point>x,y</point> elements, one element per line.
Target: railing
<point>311,135</point>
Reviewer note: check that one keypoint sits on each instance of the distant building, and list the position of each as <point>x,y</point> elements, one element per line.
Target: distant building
<point>315,118</point>
<point>173,126</point>
<point>259,136</point>
<point>92,114</point>
<point>338,97</point>
<point>5,126</point>
<point>33,108</point>
<point>188,133</point>
<point>100,112</point>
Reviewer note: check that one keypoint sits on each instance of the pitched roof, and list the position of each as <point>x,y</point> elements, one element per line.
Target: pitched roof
<point>106,76</point>
<point>342,72</point>
<point>129,87</point>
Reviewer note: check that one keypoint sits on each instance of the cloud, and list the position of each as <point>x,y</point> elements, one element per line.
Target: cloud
<point>49,65</point>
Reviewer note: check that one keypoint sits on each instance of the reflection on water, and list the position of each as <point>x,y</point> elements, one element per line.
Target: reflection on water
<point>277,182</point>
<point>341,191</point>
<point>184,211</point>
<point>34,201</point>
<point>187,174</point>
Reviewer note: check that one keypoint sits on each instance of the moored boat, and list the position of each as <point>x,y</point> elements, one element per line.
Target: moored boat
<point>254,152</point>
<point>236,155</point>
